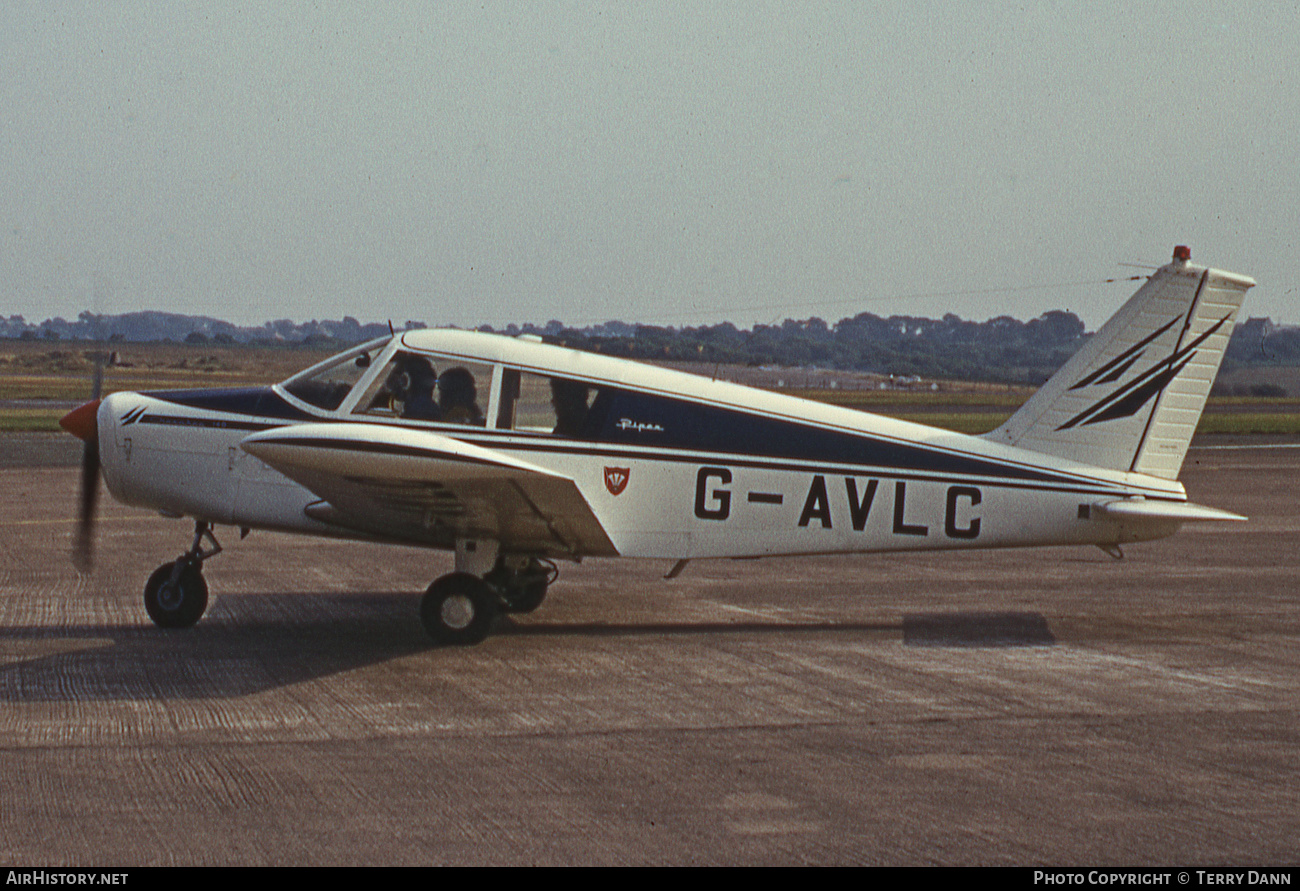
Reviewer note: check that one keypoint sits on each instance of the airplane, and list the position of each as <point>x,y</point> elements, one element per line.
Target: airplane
<point>514,454</point>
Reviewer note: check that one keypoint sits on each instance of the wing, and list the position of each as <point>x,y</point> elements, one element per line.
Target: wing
<point>429,489</point>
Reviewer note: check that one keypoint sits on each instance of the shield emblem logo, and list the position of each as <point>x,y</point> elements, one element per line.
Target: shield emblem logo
<point>616,479</point>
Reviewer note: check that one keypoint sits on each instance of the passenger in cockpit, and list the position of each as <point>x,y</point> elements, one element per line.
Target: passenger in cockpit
<point>569,399</point>
<point>457,397</point>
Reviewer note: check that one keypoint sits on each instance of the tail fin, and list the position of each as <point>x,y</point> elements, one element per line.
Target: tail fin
<point>1130,399</point>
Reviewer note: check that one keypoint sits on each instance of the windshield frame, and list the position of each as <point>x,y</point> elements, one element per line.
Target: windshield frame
<point>378,350</point>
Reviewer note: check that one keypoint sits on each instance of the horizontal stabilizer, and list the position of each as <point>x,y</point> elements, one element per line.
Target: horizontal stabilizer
<point>1178,511</point>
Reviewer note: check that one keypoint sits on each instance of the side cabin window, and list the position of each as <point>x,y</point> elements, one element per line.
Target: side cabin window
<point>576,409</point>
<point>560,406</point>
<point>537,403</point>
<point>602,413</point>
<point>419,387</point>
<point>328,387</point>
<point>564,407</point>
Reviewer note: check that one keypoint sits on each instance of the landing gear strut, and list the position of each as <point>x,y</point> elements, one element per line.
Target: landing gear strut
<point>176,594</point>
<point>522,582</point>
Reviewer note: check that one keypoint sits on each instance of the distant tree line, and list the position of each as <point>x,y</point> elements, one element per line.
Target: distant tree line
<point>999,349</point>
<point>1002,349</point>
<point>1259,342</point>
<point>151,325</point>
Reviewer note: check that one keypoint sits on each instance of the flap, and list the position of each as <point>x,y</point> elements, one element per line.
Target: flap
<point>430,489</point>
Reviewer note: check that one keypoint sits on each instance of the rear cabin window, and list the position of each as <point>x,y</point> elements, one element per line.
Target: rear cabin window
<point>537,403</point>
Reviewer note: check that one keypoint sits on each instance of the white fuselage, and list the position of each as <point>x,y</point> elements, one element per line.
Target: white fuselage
<point>930,489</point>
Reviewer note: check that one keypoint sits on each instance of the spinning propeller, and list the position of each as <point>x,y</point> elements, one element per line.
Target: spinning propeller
<point>82,423</point>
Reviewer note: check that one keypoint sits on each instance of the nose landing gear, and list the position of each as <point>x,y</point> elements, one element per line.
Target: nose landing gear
<point>176,594</point>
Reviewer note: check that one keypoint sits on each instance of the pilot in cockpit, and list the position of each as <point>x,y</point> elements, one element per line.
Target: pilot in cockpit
<point>411,383</point>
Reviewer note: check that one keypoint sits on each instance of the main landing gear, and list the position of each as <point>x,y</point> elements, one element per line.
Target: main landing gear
<point>459,608</point>
<point>176,594</point>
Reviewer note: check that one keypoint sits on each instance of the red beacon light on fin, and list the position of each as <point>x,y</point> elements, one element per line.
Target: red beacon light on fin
<point>1182,253</point>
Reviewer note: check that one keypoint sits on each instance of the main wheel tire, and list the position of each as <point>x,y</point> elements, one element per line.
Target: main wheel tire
<point>458,609</point>
<point>179,604</point>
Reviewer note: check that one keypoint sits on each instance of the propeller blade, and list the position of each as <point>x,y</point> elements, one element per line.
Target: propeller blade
<point>83,548</point>
<point>83,423</point>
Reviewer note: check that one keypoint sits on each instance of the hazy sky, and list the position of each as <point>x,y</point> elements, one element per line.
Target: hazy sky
<point>677,163</point>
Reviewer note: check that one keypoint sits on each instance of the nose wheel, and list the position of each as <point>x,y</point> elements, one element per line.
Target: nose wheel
<point>176,595</point>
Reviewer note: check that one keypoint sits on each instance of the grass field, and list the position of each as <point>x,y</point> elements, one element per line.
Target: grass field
<point>40,373</point>
<point>33,374</point>
<point>30,420</point>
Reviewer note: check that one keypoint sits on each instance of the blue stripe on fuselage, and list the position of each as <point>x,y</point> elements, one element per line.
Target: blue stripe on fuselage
<point>631,418</point>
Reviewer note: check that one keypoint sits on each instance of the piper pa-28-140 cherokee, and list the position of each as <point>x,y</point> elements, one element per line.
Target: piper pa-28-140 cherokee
<point>514,453</point>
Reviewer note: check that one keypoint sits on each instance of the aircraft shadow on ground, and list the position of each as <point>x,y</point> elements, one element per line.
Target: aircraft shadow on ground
<point>964,629</point>
<point>977,629</point>
<point>260,642</point>
<point>247,644</point>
